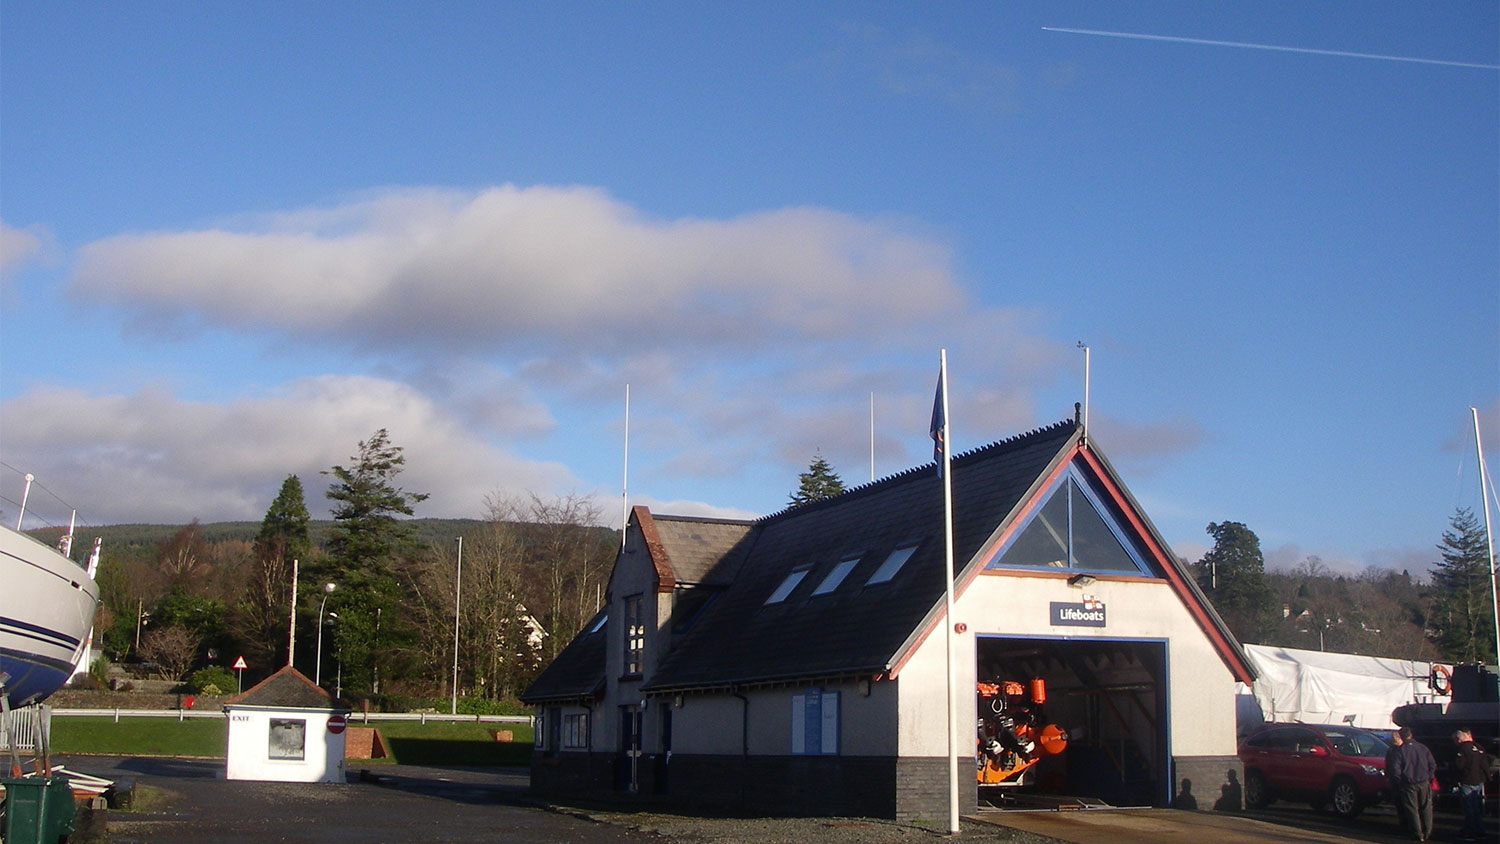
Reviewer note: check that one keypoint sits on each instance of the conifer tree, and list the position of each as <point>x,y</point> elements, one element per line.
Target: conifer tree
<point>818,482</point>
<point>367,542</point>
<point>1463,616</point>
<point>260,617</point>
<point>366,531</point>
<point>1233,574</point>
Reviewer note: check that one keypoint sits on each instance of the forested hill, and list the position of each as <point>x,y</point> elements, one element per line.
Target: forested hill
<point>426,532</point>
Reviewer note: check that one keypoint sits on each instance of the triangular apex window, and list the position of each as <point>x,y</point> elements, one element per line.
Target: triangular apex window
<point>1074,531</point>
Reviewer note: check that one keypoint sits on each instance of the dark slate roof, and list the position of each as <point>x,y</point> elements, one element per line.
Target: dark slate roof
<point>706,551</point>
<point>857,628</point>
<point>289,688</point>
<point>578,670</point>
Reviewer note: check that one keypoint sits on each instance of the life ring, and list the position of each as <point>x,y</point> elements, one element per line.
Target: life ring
<point>1441,680</point>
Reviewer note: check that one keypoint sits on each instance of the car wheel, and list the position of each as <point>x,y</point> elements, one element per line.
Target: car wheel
<point>1343,796</point>
<point>1257,796</point>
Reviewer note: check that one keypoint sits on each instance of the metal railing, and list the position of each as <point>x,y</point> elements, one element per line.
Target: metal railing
<point>354,717</point>
<point>23,730</point>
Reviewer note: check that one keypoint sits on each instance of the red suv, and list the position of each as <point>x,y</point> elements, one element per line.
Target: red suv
<point>1326,765</point>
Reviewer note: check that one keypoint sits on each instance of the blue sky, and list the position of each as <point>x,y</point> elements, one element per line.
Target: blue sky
<point>239,238</point>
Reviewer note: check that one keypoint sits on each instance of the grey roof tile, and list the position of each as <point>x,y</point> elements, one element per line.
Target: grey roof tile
<point>289,688</point>
<point>857,628</point>
<point>578,670</point>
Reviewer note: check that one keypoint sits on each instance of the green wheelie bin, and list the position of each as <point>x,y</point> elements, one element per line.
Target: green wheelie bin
<point>38,810</point>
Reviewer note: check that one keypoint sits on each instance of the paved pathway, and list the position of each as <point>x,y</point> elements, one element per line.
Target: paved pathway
<point>1157,826</point>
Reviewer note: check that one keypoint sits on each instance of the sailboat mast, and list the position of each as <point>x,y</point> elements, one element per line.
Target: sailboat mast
<point>1489,535</point>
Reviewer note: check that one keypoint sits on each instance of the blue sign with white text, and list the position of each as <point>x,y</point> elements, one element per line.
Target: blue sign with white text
<point>1089,613</point>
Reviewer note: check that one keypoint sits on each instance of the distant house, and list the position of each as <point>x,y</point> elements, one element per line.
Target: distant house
<point>796,664</point>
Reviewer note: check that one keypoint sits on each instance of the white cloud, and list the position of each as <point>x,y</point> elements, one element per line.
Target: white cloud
<point>150,456</point>
<point>540,269</point>
<point>749,340</point>
<point>17,246</point>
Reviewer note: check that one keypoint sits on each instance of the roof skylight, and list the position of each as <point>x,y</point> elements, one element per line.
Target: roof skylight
<point>835,577</point>
<point>892,564</point>
<point>787,585</point>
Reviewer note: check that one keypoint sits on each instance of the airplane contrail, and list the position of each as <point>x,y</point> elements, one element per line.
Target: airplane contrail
<point>1275,47</point>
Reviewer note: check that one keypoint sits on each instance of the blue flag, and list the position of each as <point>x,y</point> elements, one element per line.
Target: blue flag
<point>939,422</point>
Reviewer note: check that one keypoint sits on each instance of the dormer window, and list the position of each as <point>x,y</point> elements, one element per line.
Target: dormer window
<point>835,577</point>
<point>787,585</point>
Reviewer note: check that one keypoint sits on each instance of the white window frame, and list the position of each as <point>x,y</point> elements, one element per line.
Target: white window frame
<point>575,731</point>
<point>815,723</point>
<point>794,577</point>
<point>893,563</point>
<point>836,576</point>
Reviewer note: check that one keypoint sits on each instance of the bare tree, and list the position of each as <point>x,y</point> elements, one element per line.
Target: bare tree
<point>172,648</point>
<point>569,554</point>
<point>183,557</point>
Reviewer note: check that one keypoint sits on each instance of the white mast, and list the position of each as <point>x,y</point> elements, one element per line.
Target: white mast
<point>291,639</point>
<point>1489,536</point>
<point>872,437</point>
<point>1085,386</point>
<point>25,494</point>
<point>625,475</point>
<point>945,467</point>
<point>458,591</point>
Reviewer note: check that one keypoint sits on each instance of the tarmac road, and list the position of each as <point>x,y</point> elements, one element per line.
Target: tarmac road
<point>435,804</point>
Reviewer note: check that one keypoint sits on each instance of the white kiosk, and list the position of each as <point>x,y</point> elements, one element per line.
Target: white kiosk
<point>285,729</point>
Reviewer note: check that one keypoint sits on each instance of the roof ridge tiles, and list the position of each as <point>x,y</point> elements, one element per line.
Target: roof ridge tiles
<point>709,520</point>
<point>889,480</point>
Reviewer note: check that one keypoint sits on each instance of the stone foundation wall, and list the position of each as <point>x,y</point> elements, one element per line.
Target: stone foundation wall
<point>771,785</point>
<point>1215,783</point>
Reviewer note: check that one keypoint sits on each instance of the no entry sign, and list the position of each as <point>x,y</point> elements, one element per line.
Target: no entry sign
<point>336,724</point>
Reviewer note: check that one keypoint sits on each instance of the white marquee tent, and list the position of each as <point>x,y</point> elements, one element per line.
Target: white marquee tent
<point>1315,687</point>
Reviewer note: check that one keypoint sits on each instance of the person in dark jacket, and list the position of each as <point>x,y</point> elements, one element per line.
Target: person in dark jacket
<point>1415,769</point>
<point>1472,765</point>
<point>1392,784</point>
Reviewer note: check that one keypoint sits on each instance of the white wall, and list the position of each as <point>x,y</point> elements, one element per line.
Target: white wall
<point>249,751</point>
<point>1201,697</point>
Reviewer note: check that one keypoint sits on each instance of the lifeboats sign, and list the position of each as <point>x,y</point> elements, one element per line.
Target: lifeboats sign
<point>1089,613</point>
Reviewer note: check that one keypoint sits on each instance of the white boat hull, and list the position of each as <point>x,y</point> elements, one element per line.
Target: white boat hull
<point>47,605</point>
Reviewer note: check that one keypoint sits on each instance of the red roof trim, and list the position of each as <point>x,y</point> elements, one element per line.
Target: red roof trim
<point>665,578</point>
<point>962,580</point>
<point>987,552</point>
<point>1226,651</point>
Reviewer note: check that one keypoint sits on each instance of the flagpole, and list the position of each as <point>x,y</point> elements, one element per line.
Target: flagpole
<point>953,821</point>
<point>1489,536</point>
<point>625,475</point>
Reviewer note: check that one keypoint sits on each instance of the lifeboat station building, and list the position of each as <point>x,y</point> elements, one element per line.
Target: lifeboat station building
<point>797,664</point>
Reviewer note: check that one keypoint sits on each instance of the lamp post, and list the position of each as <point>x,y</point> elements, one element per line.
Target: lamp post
<point>318,672</point>
<point>458,584</point>
<point>140,619</point>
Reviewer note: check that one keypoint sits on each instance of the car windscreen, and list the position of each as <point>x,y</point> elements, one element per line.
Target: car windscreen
<point>1357,743</point>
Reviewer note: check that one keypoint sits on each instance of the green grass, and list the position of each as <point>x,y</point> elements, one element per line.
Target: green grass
<point>461,743</point>
<point>410,742</point>
<point>139,736</point>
